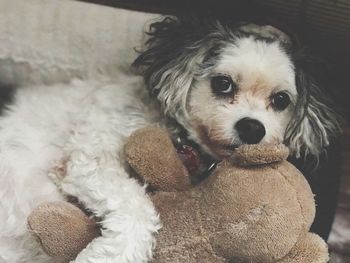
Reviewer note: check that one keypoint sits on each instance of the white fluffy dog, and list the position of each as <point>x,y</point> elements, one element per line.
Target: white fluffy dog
<point>219,85</point>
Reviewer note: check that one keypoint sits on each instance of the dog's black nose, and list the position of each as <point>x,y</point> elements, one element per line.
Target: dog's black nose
<point>250,131</point>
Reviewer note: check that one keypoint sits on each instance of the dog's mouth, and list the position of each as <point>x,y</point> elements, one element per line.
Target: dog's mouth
<point>230,147</point>
<point>222,150</point>
<point>218,148</point>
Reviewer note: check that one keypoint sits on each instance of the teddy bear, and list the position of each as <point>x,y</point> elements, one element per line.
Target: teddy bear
<point>254,207</point>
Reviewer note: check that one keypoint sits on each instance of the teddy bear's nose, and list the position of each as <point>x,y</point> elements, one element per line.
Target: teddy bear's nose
<point>250,131</point>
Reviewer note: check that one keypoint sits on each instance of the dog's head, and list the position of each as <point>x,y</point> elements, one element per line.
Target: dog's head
<point>229,85</point>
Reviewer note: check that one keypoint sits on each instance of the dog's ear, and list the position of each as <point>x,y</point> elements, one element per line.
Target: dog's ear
<point>178,50</point>
<point>314,122</point>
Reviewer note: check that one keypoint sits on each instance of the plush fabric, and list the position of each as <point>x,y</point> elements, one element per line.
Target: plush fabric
<point>52,224</point>
<point>258,209</point>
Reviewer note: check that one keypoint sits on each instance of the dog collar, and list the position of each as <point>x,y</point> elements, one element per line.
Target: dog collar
<point>199,164</point>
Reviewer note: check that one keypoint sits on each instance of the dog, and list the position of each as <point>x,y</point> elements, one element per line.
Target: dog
<point>216,84</point>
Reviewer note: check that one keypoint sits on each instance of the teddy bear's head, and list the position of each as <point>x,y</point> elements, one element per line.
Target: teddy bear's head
<point>258,198</point>
<point>254,207</point>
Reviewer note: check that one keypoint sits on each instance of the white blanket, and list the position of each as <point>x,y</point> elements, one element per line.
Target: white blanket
<point>49,41</point>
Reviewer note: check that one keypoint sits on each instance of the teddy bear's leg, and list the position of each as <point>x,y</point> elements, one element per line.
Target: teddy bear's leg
<point>128,217</point>
<point>310,249</point>
<point>62,229</point>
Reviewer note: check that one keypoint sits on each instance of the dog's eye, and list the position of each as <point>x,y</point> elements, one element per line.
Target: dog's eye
<point>280,101</point>
<point>222,85</point>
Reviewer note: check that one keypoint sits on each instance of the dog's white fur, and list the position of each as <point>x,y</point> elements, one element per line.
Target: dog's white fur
<point>86,124</point>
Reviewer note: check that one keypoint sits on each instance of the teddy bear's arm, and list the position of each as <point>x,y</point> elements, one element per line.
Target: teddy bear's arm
<point>105,191</point>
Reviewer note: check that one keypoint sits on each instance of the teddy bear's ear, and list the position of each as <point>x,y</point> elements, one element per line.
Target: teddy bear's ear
<point>152,155</point>
<point>259,154</point>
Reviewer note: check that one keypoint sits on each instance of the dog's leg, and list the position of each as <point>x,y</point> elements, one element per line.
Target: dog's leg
<point>26,154</point>
<point>129,220</point>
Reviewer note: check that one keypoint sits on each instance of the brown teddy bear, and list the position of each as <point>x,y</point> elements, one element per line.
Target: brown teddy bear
<point>255,207</point>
